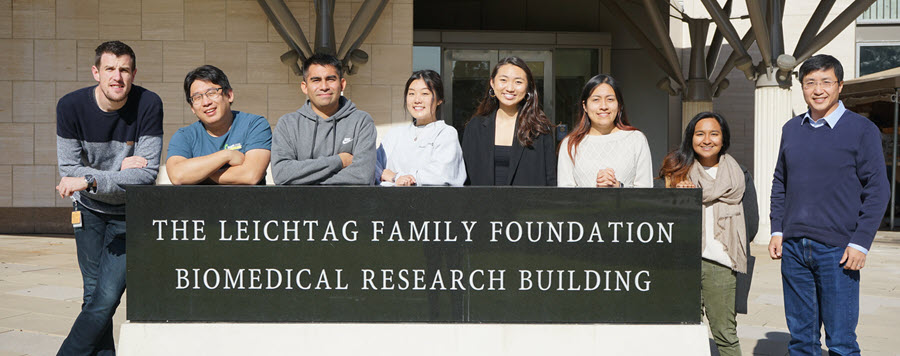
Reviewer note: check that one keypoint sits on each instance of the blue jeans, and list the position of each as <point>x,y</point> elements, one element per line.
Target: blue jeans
<point>818,290</point>
<point>100,244</point>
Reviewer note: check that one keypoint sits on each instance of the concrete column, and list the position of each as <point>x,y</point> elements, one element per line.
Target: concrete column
<point>691,108</point>
<point>772,108</point>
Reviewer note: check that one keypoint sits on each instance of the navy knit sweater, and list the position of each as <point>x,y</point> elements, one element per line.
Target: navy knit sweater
<point>830,184</point>
<point>91,141</point>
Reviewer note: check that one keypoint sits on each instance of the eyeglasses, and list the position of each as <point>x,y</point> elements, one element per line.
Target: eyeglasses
<point>211,94</point>
<point>825,84</point>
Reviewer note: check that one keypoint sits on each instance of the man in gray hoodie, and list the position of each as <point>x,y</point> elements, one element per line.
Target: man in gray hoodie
<point>328,140</point>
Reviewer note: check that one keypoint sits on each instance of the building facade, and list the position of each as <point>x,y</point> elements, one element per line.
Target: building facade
<point>46,51</point>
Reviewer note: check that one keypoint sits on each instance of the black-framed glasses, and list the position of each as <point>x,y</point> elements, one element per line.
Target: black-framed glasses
<point>211,94</point>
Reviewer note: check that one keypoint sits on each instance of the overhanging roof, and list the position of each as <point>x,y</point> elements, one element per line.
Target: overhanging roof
<point>873,87</point>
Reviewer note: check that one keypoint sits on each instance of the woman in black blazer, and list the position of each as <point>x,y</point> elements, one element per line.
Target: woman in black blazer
<point>508,141</point>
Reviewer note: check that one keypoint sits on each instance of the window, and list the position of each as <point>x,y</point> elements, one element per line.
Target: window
<point>878,57</point>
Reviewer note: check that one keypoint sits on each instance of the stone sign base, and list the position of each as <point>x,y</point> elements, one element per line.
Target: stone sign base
<point>417,339</point>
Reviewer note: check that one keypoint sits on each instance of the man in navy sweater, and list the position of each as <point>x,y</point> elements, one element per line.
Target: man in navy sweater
<point>107,136</point>
<point>829,195</point>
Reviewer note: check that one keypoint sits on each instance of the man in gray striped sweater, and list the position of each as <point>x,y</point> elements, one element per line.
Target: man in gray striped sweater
<point>107,136</point>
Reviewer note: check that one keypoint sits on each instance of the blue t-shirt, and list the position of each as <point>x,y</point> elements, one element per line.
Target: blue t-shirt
<point>247,132</point>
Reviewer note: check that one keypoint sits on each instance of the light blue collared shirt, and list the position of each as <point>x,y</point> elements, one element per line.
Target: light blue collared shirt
<point>831,120</point>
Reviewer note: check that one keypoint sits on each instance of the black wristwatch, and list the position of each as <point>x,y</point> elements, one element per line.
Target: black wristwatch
<point>91,183</point>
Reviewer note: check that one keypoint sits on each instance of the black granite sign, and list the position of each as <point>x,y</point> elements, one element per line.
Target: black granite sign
<point>424,254</point>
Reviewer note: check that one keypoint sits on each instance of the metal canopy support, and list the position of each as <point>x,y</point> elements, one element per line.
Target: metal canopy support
<point>833,29</point>
<point>724,26</point>
<point>646,43</point>
<point>814,24</point>
<point>325,27</point>
<point>698,30</point>
<point>362,24</point>
<point>698,87</point>
<point>739,46</point>
<point>289,30</point>
<point>663,34</point>
<point>716,45</point>
<point>758,24</point>
<point>732,61</point>
<point>776,15</point>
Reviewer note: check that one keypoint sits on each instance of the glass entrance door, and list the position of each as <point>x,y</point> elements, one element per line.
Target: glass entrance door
<point>466,76</point>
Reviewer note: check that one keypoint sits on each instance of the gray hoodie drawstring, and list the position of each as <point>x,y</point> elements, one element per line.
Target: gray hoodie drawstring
<point>312,147</point>
<point>333,136</point>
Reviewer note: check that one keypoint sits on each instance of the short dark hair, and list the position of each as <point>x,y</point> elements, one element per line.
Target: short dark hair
<point>432,81</point>
<point>323,59</point>
<point>116,48</point>
<point>206,73</point>
<point>821,62</point>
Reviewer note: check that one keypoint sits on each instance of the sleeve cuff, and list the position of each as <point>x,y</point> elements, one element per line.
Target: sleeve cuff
<point>336,163</point>
<point>777,233</point>
<point>859,248</point>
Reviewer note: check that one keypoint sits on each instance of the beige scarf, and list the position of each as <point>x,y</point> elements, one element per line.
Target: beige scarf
<point>726,193</point>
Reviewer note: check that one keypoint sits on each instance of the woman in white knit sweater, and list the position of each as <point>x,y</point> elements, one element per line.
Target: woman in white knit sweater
<point>603,150</point>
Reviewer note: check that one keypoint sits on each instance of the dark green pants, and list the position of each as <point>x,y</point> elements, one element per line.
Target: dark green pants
<point>717,285</point>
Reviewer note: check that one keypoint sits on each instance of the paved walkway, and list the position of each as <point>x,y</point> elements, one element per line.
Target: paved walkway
<point>40,296</point>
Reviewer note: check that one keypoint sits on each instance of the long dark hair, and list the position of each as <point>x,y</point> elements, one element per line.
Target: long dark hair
<point>434,83</point>
<point>584,124</point>
<point>678,163</point>
<point>531,119</point>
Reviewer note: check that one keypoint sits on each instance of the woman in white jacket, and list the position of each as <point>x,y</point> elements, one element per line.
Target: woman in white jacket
<point>427,150</point>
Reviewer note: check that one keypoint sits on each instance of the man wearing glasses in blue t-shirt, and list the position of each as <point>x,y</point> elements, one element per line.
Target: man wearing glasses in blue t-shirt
<point>223,146</point>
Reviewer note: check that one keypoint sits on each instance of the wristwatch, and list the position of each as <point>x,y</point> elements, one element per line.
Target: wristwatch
<point>91,183</point>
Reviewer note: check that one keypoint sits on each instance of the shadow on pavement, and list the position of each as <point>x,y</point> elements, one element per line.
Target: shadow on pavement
<point>775,343</point>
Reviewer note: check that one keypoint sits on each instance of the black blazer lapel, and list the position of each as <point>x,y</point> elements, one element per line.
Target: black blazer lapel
<point>488,140</point>
<point>515,156</point>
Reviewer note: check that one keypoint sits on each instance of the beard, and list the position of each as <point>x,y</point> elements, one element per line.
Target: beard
<point>113,97</point>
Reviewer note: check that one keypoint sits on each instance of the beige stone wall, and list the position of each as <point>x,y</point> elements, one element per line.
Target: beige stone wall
<point>46,51</point>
